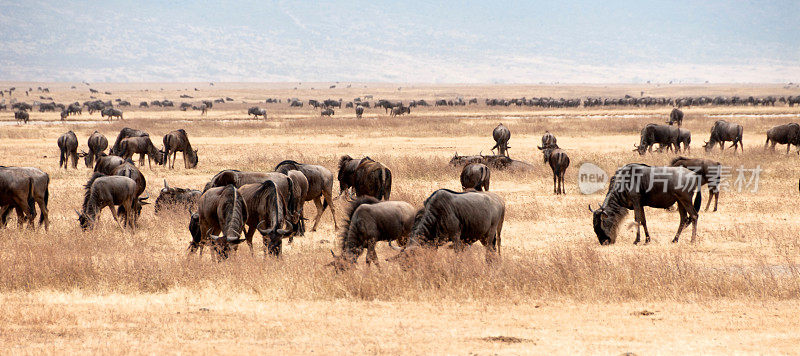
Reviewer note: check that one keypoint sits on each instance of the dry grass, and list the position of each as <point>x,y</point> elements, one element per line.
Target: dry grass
<point>79,287</point>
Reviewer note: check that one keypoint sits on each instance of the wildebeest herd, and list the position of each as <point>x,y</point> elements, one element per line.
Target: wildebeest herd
<point>235,204</point>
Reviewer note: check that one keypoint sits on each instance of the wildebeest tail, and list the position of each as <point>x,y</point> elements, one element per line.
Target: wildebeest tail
<point>382,194</point>
<point>194,228</point>
<point>31,201</point>
<point>698,200</point>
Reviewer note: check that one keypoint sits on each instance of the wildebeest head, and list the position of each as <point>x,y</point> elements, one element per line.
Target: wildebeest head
<point>84,220</point>
<point>606,233</point>
<point>546,151</point>
<point>235,213</point>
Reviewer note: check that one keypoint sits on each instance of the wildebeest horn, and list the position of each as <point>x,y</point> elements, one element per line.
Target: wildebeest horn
<point>165,184</point>
<point>144,198</point>
<point>541,148</point>
<point>260,230</point>
<point>333,254</point>
<point>394,247</point>
<point>590,208</point>
<point>77,212</point>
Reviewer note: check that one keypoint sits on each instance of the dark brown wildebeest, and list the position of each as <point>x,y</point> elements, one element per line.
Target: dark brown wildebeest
<point>106,164</point>
<point>285,187</point>
<point>111,113</point>
<point>359,111</point>
<point>663,135</point>
<point>494,161</point>
<point>367,178</point>
<point>123,134</point>
<point>64,114</point>
<point>635,186</point>
<point>68,145</point>
<point>501,135</point>
<point>21,115</point>
<point>177,197</point>
<point>400,110</point>
<point>219,210</point>
<point>320,187</point>
<point>786,134</point>
<point>97,146</point>
<point>475,176</point>
<point>128,169</point>
<point>369,221</point>
<point>675,117</point>
<point>267,213</point>
<point>725,131</point>
<point>144,147</point>
<point>549,140</point>
<point>327,112</point>
<point>178,141</point>
<point>709,171</point>
<point>559,162</point>
<point>462,218</point>
<point>684,138</point>
<point>14,180</point>
<point>109,191</point>
<point>256,112</point>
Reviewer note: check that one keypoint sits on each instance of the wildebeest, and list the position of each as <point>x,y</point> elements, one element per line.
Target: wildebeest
<point>111,113</point>
<point>725,131</point>
<point>109,191</point>
<point>320,186</point>
<point>400,110</point>
<point>684,138</point>
<point>219,210</point>
<point>107,163</point>
<point>300,185</point>
<point>128,169</point>
<point>144,147</point>
<point>68,146</point>
<point>368,177</point>
<point>493,161</point>
<point>475,176</point>
<point>256,112</point>
<point>652,134</point>
<point>177,197</point>
<point>97,145</point>
<point>144,104</point>
<point>786,134</point>
<point>501,135</point>
<point>462,218</point>
<point>549,140</point>
<point>359,111</point>
<point>635,186</point>
<point>266,212</point>
<point>284,183</point>
<point>21,115</point>
<point>123,134</point>
<point>326,112</point>
<point>178,141</point>
<point>709,171</point>
<point>559,162</point>
<point>675,117</point>
<point>369,221</point>
<point>15,180</point>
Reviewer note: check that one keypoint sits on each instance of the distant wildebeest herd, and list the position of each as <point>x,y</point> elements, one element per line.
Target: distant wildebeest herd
<point>234,204</point>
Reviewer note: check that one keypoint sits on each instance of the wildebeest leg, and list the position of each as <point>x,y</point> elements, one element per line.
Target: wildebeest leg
<point>683,223</point>
<point>113,214</point>
<point>638,217</point>
<point>45,215</point>
<point>248,236</point>
<point>710,195</point>
<point>320,210</point>
<point>372,256</point>
<point>555,182</point>
<point>561,183</point>
<point>458,245</point>
<point>329,198</point>
<point>716,199</point>
<point>4,212</point>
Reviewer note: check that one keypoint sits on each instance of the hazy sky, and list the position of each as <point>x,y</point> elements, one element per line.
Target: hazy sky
<point>405,41</point>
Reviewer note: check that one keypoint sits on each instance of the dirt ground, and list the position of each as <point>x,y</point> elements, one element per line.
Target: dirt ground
<point>109,291</point>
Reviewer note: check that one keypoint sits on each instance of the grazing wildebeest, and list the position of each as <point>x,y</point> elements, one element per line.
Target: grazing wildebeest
<point>367,178</point>
<point>14,180</point>
<point>549,140</point>
<point>111,113</point>
<point>220,209</point>
<point>326,112</point>
<point>144,147</point>
<point>786,134</point>
<point>400,110</point>
<point>725,131</point>
<point>501,135</point>
<point>635,186</point>
<point>97,145</point>
<point>709,171</point>
<point>68,145</point>
<point>462,218</point>
<point>663,135</point>
<point>267,206</point>
<point>256,112</point>
<point>320,185</point>
<point>284,183</point>
<point>369,221</point>
<point>107,163</point>
<point>21,116</point>
<point>300,185</point>
<point>475,176</point>
<point>144,104</point>
<point>559,162</point>
<point>359,111</point>
<point>109,191</point>
<point>177,197</point>
<point>64,115</point>
<point>178,141</point>
<point>684,138</point>
<point>128,169</point>
<point>123,134</point>
<point>676,117</point>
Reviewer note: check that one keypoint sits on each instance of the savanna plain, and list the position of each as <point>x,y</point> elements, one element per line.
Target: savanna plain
<point>736,289</point>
